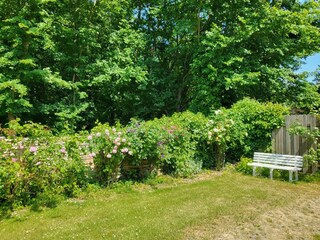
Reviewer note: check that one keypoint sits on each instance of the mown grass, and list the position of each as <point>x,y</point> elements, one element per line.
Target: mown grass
<point>166,210</point>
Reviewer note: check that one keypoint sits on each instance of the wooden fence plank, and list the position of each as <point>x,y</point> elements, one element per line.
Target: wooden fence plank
<point>283,143</point>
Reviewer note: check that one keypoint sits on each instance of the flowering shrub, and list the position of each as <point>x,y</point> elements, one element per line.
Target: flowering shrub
<point>108,146</point>
<point>219,135</point>
<point>248,127</point>
<point>146,143</point>
<point>38,170</point>
<point>182,136</point>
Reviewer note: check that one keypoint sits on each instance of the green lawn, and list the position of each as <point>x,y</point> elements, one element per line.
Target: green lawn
<point>200,208</point>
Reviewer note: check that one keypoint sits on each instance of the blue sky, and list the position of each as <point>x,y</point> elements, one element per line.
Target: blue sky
<point>311,63</point>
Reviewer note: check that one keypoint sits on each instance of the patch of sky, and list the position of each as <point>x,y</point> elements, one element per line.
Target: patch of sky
<point>310,65</point>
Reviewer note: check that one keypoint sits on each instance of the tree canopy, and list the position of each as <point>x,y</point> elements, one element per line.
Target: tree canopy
<point>70,63</point>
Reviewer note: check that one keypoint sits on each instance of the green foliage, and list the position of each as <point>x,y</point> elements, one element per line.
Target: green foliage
<point>311,177</point>
<point>182,146</point>
<point>30,130</point>
<point>240,130</point>
<point>37,170</point>
<point>254,123</point>
<point>242,166</point>
<point>69,63</point>
<point>254,54</point>
<point>145,139</point>
<point>173,144</point>
<point>222,134</point>
<point>108,147</point>
<point>12,98</point>
<point>312,136</point>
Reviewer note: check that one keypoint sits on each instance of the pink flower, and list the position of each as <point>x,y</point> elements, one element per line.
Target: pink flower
<point>33,149</point>
<point>14,159</point>
<point>109,155</point>
<point>124,140</point>
<point>98,134</point>
<point>89,137</point>
<point>124,150</point>
<point>63,150</point>
<point>107,132</point>
<point>21,146</point>
<point>38,163</point>
<point>114,151</point>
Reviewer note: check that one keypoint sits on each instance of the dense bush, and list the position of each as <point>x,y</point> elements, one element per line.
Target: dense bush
<point>253,123</point>
<point>36,170</point>
<point>173,145</point>
<point>108,146</point>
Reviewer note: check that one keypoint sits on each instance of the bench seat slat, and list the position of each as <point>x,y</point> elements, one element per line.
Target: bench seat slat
<point>282,163</point>
<point>276,159</point>
<point>291,168</point>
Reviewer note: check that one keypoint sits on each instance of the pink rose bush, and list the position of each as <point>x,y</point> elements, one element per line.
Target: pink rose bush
<point>109,148</point>
<point>39,168</point>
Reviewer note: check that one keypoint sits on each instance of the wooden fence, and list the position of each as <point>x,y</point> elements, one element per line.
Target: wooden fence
<point>283,143</point>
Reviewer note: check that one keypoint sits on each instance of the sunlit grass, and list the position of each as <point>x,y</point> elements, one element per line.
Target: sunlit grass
<point>165,210</point>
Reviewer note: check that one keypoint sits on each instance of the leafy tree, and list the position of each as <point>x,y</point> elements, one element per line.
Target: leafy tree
<point>24,62</point>
<point>69,63</point>
<point>252,50</point>
<point>12,99</point>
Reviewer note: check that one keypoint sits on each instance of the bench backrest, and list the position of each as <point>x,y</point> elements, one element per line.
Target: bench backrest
<point>278,159</point>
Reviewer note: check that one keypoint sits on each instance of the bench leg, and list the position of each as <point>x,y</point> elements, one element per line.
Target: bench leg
<point>271,173</point>
<point>296,175</point>
<point>254,171</point>
<point>290,176</point>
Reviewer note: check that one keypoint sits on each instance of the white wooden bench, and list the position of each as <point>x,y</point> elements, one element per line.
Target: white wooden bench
<point>291,163</point>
